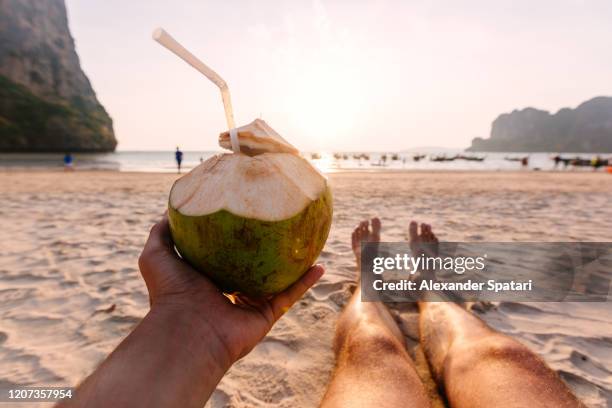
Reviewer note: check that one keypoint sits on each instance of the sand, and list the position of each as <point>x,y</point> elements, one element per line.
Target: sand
<point>70,289</point>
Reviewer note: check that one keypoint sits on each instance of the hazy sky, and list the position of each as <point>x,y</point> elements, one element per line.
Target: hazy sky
<point>342,74</point>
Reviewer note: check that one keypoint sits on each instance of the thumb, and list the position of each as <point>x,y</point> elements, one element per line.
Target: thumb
<point>284,300</point>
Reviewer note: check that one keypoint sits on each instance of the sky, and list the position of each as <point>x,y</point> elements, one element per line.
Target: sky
<point>350,75</point>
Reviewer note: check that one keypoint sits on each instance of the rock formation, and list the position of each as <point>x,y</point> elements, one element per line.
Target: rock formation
<point>46,102</point>
<point>586,129</point>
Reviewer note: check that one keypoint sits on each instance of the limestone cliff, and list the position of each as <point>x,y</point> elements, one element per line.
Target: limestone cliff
<point>586,129</point>
<point>46,102</point>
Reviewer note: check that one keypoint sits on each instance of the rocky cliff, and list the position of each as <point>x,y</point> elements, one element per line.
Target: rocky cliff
<point>46,102</point>
<point>586,129</point>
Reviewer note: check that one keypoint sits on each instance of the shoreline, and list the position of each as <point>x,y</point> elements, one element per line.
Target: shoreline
<point>60,169</point>
<point>163,162</point>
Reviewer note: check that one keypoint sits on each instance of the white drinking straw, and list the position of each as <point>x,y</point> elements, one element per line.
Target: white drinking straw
<point>170,43</point>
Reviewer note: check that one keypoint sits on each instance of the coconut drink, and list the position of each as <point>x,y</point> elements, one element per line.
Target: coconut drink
<point>253,220</point>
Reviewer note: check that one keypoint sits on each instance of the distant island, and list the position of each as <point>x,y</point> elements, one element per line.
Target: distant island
<point>46,102</point>
<point>586,129</point>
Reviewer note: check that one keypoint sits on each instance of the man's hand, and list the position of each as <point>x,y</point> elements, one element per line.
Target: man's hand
<point>175,287</point>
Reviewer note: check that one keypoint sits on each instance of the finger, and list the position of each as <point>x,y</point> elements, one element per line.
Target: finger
<point>284,300</point>
<point>159,237</point>
<point>158,246</point>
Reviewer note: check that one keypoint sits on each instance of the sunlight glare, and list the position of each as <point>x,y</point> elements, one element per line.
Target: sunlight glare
<point>324,100</point>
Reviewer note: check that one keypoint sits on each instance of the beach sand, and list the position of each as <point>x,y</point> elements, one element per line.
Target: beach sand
<point>70,289</point>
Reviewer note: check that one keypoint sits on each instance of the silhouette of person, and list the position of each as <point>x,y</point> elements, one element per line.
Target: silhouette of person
<point>68,162</point>
<point>179,159</point>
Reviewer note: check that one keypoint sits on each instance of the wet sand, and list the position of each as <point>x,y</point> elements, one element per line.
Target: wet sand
<point>70,289</point>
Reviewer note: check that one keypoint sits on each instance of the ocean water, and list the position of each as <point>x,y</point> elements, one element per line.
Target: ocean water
<point>163,161</point>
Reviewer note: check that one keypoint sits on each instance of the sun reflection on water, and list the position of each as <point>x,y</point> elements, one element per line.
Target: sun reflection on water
<point>325,163</point>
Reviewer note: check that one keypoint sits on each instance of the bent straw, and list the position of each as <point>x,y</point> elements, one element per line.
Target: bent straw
<point>165,39</point>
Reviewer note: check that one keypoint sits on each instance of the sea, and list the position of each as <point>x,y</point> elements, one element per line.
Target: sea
<point>327,162</point>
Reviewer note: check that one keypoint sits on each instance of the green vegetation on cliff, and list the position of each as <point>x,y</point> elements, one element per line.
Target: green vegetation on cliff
<point>30,123</point>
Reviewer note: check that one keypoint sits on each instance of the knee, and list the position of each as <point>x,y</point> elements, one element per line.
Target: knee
<point>492,349</point>
<point>369,343</point>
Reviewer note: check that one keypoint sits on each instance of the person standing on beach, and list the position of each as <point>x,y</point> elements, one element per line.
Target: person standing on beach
<point>178,155</point>
<point>68,165</point>
<point>193,334</point>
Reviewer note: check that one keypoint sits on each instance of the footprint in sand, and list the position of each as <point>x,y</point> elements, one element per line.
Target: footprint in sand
<point>589,366</point>
<point>323,290</point>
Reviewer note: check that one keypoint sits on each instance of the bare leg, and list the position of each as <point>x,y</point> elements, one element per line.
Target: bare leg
<point>479,367</point>
<point>373,368</point>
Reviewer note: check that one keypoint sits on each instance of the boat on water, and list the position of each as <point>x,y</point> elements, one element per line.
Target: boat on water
<point>471,158</point>
<point>442,158</point>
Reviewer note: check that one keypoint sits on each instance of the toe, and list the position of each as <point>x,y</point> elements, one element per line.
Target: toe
<point>432,236</point>
<point>364,229</point>
<point>375,222</point>
<point>423,233</point>
<point>413,230</point>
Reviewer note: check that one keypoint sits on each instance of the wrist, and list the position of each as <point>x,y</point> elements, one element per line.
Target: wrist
<point>193,335</point>
<point>168,360</point>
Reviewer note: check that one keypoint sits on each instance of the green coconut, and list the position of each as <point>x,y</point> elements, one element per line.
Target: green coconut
<point>252,224</point>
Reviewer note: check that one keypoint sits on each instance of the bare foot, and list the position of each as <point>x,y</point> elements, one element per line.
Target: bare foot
<point>426,243</point>
<point>362,233</point>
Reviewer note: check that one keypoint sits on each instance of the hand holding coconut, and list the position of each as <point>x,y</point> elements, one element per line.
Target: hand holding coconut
<point>175,287</point>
